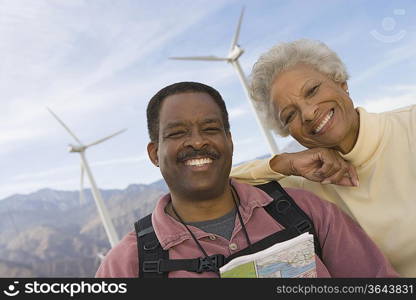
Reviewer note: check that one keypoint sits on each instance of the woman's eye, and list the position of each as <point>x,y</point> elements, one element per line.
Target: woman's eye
<point>289,117</point>
<point>313,90</point>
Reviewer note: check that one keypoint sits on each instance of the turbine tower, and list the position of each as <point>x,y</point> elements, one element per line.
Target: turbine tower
<point>233,55</point>
<point>102,210</point>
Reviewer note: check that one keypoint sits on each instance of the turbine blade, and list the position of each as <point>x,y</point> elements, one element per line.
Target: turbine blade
<point>237,32</point>
<point>64,125</point>
<point>106,138</point>
<point>81,190</point>
<point>200,58</point>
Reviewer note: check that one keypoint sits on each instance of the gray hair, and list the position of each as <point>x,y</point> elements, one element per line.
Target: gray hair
<point>280,58</point>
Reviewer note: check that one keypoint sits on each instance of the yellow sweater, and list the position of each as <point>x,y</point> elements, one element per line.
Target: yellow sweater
<point>384,204</point>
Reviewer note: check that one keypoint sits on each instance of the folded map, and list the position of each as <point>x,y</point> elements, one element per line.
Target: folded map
<point>289,259</point>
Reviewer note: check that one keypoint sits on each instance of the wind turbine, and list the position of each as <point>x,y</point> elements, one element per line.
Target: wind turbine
<point>233,55</point>
<point>102,210</point>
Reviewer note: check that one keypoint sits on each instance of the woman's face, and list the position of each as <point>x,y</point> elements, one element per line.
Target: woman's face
<point>316,110</point>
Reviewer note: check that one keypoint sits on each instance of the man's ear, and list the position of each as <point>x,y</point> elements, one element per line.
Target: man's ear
<point>152,152</point>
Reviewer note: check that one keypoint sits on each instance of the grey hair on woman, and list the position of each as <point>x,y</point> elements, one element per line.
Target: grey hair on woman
<point>280,58</point>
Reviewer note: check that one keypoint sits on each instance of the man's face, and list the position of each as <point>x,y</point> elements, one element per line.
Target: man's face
<point>194,152</point>
<point>316,110</point>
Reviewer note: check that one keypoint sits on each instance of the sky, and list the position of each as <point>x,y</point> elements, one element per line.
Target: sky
<point>96,64</point>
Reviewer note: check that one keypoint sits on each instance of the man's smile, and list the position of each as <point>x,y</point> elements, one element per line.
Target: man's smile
<point>199,157</point>
<point>199,164</point>
<point>198,161</point>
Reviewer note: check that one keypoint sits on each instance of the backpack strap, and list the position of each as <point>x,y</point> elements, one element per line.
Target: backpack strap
<point>285,211</point>
<point>154,261</point>
<point>149,250</point>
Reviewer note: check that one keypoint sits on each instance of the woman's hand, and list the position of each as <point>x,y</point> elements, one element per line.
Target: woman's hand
<point>317,164</point>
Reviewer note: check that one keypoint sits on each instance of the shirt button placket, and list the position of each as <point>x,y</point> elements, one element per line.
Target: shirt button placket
<point>233,246</point>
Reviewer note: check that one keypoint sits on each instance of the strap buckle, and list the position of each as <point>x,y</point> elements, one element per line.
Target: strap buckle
<point>303,226</point>
<point>211,263</point>
<point>152,266</point>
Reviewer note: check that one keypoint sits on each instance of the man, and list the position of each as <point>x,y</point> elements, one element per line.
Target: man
<point>206,213</point>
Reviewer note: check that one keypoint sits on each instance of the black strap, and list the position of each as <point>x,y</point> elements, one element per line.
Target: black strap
<point>154,262</point>
<point>285,210</point>
<point>149,249</point>
<point>198,265</point>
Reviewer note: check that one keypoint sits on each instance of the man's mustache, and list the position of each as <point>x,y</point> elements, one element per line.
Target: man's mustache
<point>190,154</point>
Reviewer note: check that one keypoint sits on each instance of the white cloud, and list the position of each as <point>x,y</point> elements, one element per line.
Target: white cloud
<point>32,186</point>
<point>14,135</point>
<point>237,112</point>
<point>124,160</point>
<point>402,88</point>
<point>44,175</point>
<point>401,96</point>
<point>70,169</point>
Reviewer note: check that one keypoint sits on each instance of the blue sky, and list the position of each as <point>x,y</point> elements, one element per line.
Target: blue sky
<point>96,63</point>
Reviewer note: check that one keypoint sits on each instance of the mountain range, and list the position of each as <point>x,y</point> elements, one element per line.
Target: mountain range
<point>49,234</point>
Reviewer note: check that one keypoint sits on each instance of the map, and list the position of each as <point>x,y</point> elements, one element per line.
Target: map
<point>289,259</point>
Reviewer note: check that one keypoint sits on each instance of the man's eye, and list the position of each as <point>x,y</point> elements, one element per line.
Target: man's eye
<point>211,129</point>
<point>176,133</point>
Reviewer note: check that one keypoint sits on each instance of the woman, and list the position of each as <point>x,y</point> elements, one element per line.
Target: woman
<point>301,88</point>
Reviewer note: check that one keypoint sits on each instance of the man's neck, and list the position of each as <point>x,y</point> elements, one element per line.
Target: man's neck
<point>196,210</point>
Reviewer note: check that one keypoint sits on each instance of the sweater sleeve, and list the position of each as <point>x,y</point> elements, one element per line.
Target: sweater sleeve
<point>255,172</point>
<point>120,261</point>
<point>347,251</point>
<point>259,172</point>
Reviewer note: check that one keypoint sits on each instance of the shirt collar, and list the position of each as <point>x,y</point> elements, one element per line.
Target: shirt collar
<point>171,232</point>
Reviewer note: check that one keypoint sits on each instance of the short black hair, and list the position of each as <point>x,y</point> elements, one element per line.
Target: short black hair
<point>155,103</point>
